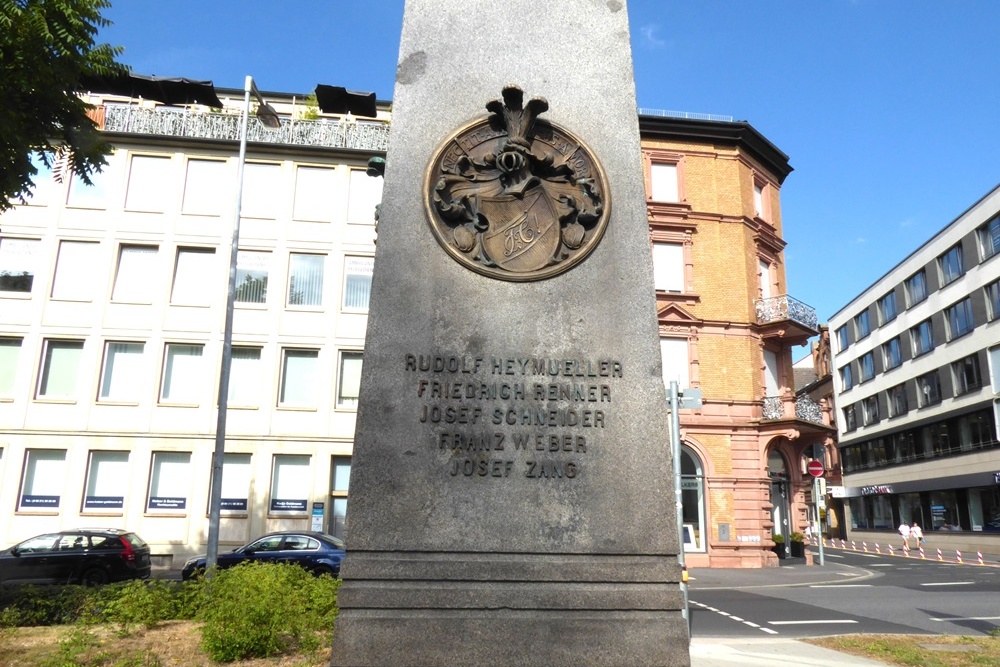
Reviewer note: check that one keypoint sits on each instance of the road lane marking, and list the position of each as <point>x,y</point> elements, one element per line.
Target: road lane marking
<point>814,622</point>
<point>969,618</point>
<point>949,583</point>
<point>732,617</point>
<point>841,586</point>
<point>769,631</point>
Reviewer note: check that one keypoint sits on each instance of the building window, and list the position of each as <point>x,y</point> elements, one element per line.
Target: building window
<point>959,318</point>
<point>674,354</point>
<point>869,410</point>
<point>291,483</point>
<point>135,277</point>
<point>764,268</point>
<point>358,282</point>
<point>668,267</point>
<point>922,337</point>
<point>201,187</point>
<point>314,187</point>
<point>94,195</point>
<point>984,508</point>
<point>966,375</point>
<point>862,324</point>
<point>236,476</point>
<point>992,292</point>
<point>251,276</point>
<point>867,365</point>
<point>305,279</point>
<point>365,193</point>
<point>928,389</point>
<point>916,288</point>
<point>887,308</point>
<point>192,270</point>
<point>244,377</point>
<point>897,401</point>
<point>989,238</point>
<point>43,480</point>
<point>847,377</point>
<point>147,178</point>
<point>183,380</point>
<point>663,183</point>
<point>60,368</point>
<point>761,205</point>
<point>74,278</point>
<point>692,500</point>
<point>261,190</point>
<point>121,377</point>
<point>338,493</point>
<point>850,418</point>
<point>169,482</point>
<point>41,194</point>
<point>298,378</point>
<point>18,259</point>
<point>842,339</point>
<point>107,480</point>
<point>349,382</point>
<point>951,265</point>
<point>10,350</point>
<point>891,355</point>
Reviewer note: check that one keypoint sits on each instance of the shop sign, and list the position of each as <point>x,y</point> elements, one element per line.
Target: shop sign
<point>876,490</point>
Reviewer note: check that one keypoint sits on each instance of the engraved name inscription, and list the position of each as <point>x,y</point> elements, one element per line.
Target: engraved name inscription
<point>498,417</point>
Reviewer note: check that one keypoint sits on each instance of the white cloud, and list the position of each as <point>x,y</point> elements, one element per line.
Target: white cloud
<point>649,36</point>
<point>861,240</point>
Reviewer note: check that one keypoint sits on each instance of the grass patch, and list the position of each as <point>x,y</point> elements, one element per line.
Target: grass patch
<point>914,651</point>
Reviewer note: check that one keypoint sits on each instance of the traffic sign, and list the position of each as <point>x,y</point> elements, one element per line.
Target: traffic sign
<point>815,468</point>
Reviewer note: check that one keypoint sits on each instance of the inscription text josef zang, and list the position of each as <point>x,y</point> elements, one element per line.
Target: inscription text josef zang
<point>500,416</point>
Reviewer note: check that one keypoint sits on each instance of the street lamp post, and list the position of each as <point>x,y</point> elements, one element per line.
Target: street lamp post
<point>269,117</point>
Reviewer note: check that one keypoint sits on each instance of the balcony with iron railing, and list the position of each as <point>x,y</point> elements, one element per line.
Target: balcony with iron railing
<point>786,318</point>
<point>803,408</point>
<point>342,133</point>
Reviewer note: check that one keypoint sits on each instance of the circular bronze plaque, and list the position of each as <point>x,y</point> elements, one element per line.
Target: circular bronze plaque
<point>516,198</point>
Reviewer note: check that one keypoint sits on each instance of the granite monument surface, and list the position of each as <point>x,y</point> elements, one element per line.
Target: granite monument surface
<point>511,495</point>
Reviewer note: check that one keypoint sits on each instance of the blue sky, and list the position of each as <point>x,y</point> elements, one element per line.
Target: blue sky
<point>888,109</point>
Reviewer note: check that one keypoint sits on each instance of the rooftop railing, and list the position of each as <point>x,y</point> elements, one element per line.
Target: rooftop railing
<point>784,307</point>
<point>172,122</point>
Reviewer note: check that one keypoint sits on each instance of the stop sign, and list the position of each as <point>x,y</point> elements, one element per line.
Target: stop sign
<point>815,469</point>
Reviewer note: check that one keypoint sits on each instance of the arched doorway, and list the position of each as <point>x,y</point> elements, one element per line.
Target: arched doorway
<point>693,500</point>
<point>777,470</point>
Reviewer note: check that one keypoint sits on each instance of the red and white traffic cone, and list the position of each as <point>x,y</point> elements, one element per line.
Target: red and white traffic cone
<point>958,555</point>
<point>979,554</point>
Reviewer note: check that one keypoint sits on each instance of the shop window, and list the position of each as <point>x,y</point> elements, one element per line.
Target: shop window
<point>10,351</point>
<point>966,375</point>
<point>887,308</point>
<point>951,265</point>
<point>121,376</point>
<point>944,511</point>
<point>358,282</point>
<point>183,374</point>
<point>261,191</point>
<point>989,238</point>
<point>922,338</point>
<point>201,187</point>
<point>313,189</point>
<point>349,382</point>
<point>910,509</point>
<point>147,178</point>
<point>107,481</point>
<point>60,368</point>
<point>668,267</point>
<point>18,264</point>
<point>860,519</point>
<point>305,279</point>
<point>244,377</point>
<point>882,513</point>
<point>663,182</point>
<point>192,269</point>
<point>693,500</point>
<point>338,495</point>
<point>916,288</point>
<point>298,378</point>
<point>891,354</point>
<point>365,193</point>
<point>43,479</point>
<point>135,277</point>
<point>169,482</point>
<point>984,508</point>
<point>959,319</point>
<point>74,277</point>
<point>236,476</point>
<point>251,276</point>
<point>291,483</point>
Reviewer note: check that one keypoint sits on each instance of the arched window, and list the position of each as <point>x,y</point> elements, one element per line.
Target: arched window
<point>693,500</point>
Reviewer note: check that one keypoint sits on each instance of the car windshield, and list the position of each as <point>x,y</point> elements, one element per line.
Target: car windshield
<point>37,544</point>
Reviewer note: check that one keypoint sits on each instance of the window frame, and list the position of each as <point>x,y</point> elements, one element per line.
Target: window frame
<point>164,371</point>
<point>957,315</point>
<point>99,503</point>
<point>29,254</point>
<point>951,264</point>
<point>250,266</point>
<point>847,376</point>
<point>866,361</point>
<point>917,279</point>
<point>988,236</point>
<point>312,380</point>
<point>843,339</point>
<point>45,368</point>
<point>863,324</point>
<point>167,504</point>
<point>991,292</point>
<point>896,398</point>
<point>869,410</point>
<point>892,354</point>
<point>928,398</point>
<point>889,297</point>
<point>347,402</point>
<point>315,282</point>
<point>362,265</point>
<point>960,375</point>
<point>53,479</point>
<point>916,336</point>
<point>133,389</point>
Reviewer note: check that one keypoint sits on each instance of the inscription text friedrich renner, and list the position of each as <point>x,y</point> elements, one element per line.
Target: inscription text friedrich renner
<point>501,416</point>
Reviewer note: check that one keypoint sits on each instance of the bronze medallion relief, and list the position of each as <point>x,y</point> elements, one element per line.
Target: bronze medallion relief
<point>514,197</point>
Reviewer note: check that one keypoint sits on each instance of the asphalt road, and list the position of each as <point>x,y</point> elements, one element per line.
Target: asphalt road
<point>854,593</point>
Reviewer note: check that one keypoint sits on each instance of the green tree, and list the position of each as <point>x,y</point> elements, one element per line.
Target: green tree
<point>46,47</point>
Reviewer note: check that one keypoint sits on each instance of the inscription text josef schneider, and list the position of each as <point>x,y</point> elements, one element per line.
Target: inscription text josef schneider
<point>494,417</point>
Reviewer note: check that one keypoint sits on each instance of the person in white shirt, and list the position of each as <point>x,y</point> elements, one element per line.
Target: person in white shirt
<point>904,530</point>
<point>917,533</point>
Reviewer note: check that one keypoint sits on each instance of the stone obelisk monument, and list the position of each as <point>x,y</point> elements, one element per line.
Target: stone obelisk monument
<point>511,497</point>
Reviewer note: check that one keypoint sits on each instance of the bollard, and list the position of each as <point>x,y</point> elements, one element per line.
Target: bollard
<point>892,552</point>
<point>979,555</point>
<point>877,549</point>
<point>940,557</point>
<point>843,544</point>
<point>922,556</point>
<point>958,555</point>
<point>864,545</point>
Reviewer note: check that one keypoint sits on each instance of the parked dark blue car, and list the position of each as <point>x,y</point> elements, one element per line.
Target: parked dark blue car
<point>317,552</point>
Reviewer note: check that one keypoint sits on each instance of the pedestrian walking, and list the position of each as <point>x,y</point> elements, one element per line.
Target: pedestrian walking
<point>904,530</point>
<point>917,533</point>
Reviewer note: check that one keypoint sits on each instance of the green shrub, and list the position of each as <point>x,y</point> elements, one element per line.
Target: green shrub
<point>797,537</point>
<point>778,539</point>
<point>259,610</point>
<point>44,605</point>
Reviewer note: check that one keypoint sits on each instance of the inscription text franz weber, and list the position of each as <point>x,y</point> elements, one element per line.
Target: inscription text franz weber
<point>502,416</point>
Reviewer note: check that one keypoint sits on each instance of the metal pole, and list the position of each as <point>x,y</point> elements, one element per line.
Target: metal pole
<point>215,503</point>
<point>819,519</point>
<point>675,445</point>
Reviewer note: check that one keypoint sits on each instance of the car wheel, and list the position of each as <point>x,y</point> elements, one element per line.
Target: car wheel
<point>323,569</point>
<point>95,576</point>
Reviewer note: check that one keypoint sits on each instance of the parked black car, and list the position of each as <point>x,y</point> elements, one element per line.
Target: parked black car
<point>88,556</point>
<point>317,552</point>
